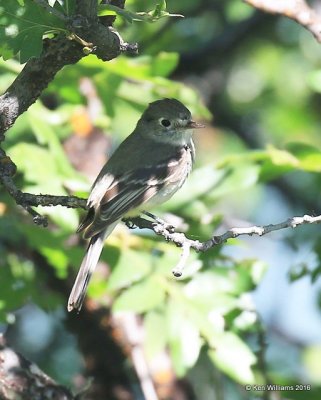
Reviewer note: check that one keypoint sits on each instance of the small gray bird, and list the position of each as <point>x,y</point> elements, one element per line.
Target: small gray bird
<point>147,168</point>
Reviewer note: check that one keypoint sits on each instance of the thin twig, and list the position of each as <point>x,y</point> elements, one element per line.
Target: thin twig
<point>29,200</point>
<point>181,240</point>
<point>297,10</point>
<point>177,271</point>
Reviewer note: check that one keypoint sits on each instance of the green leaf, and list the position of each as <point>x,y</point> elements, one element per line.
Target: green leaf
<point>46,135</point>
<point>123,274</point>
<point>213,289</point>
<point>141,68</point>
<point>278,162</point>
<point>57,257</point>
<point>141,297</point>
<point>150,16</point>
<point>22,29</point>
<point>296,156</point>
<point>160,12</point>
<point>16,278</point>
<point>154,323</point>
<point>237,177</point>
<point>257,270</point>
<point>298,271</point>
<point>233,357</point>
<point>164,63</point>
<point>43,172</point>
<point>184,338</point>
<point>36,163</point>
<point>309,156</point>
<point>52,246</point>
<point>109,9</point>
<point>314,80</point>
<point>311,361</point>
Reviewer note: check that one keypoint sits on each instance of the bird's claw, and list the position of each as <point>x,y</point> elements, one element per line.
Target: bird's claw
<point>158,221</point>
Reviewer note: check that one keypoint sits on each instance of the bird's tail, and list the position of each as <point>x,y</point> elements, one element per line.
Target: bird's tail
<point>87,268</point>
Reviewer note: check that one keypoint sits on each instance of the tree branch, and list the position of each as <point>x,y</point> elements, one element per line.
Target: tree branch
<point>87,8</point>
<point>35,77</point>
<point>87,34</point>
<point>104,42</point>
<point>29,200</point>
<point>297,10</point>
<point>181,240</point>
<point>21,379</point>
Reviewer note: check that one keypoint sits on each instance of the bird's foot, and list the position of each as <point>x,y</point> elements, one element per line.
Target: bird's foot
<point>169,227</point>
<point>129,223</point>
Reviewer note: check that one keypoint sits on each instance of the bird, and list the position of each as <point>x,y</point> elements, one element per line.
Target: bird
<point>147,168</point>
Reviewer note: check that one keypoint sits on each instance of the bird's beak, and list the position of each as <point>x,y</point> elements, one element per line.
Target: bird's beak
<point>194,125</point>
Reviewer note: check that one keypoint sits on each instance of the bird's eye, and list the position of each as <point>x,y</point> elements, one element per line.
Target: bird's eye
<point>165,122</point>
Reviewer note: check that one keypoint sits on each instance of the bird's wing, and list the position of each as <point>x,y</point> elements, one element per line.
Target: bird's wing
<point>112,198</point>
<point>130,191</point>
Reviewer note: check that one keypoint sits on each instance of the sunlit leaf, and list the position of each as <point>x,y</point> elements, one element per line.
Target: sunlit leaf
<point>131,267</point>
<point>35,162</point>
<point>140,297</point>
<point>46,135</point>
<point>150,16</point>
<point>154,323</point>
<point>183,337</point>
<point>244,176</point>
<point>233,357</point>
<point>308,156</point>
<point>22,29</point>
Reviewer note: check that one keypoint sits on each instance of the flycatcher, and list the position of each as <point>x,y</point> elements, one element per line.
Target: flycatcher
<point>149,166</point>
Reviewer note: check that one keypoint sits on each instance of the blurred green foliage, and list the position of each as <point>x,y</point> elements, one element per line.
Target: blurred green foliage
<point>22,27</point>
<point>265,95</point>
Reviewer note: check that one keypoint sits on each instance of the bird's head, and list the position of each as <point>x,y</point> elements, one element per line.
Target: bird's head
<point>167,120</point>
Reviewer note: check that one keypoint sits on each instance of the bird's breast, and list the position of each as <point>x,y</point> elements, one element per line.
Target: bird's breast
<point>178,170</point>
